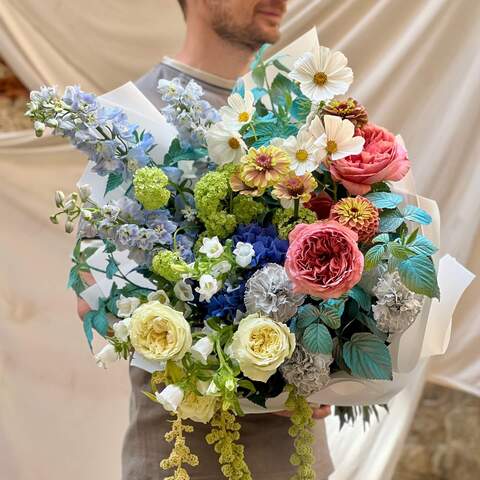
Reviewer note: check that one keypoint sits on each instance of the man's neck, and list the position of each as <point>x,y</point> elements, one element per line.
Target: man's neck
<point>213,54</point>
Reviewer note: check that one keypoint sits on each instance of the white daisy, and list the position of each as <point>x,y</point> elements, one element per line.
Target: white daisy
<point>303,152</point>
<point>336,139</point>
<point>225,145</point>
<point>322,74</point>
<point>239,111</point>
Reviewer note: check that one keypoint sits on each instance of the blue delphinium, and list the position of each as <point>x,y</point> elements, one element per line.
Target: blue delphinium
<point>226,303</point>
<point>184,247</point>
<point>268,247</point>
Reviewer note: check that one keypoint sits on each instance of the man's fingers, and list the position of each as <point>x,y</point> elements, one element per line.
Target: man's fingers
<point>318,412</point>
<point>87,277</point>
<point>82,307</point>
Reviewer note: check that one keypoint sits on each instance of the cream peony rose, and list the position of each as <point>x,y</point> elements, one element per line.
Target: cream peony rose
<point>197,408</point>
<point>260,345</point>
<point>159,332</point>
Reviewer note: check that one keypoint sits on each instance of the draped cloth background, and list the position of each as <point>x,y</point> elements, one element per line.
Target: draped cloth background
<point>417,70</point>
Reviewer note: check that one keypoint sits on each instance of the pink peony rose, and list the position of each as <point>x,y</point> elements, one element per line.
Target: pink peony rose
<point>323,259</point>
<point>383,158</point>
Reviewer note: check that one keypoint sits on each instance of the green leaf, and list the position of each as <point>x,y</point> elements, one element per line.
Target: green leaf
<point>382,238</point>
<point>74,280</point>
<point>390,220</point>
<point>88,326</point>
<point>109,246</point>
<point>281,66</point>
<point>280,89</point>
<point>112,268</point>
<point>380,187</point>
<point>317,339</point>
<point>374,256</point>
<point>399,251</point>
<point>258,75</point>
<point>384,199</point>
<point>301,107</point>
<point>361,297</point>
<point>368,357</point>
<point>422,246</point>
<point>114,181</point>
<point>331,311</point>
<point>100,322</point>
<point>371,324</point>
<point>418,275</point>
<point>259,56</point>
<point>416,214</point>
<point>306,315</point>
<point>411,238</point>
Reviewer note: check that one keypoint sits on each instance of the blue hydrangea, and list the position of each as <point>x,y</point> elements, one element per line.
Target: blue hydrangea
<point>226,303</point>
<point>268,247</point>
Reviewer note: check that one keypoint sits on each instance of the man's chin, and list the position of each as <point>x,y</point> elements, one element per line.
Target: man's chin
<point>267,34</point>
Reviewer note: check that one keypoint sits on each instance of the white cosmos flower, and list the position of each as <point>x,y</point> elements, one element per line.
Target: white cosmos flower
<point>202,349</point>
<point>303,152</point>
<point>336,140</point>
<point>211,247</point>
<point>244,252</point>
<point>322,74</point>
<point>239,111</point>
<point>121,329</point>
<point>170,397</point>
<point>106,355</point>
<point>183,291</point>
<point>225,145</point>
<point>208,287</point>
<point>126,306</point>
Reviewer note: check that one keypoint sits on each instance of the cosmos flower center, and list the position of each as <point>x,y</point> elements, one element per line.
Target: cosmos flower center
<point>233,143</point>
<point>331,146</point>
<point>243,117</point>
<point>264,161</point>
<point>301,155</point>
<point>320,79</point>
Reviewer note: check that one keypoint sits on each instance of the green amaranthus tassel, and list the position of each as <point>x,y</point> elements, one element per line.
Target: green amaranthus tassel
<point>225,431</point>
<point>180,452</point>
<point>302,422</point>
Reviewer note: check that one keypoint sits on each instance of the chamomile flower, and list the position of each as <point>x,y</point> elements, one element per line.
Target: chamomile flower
<point>322,74</point>
<point>336,139</point>
<point>303,152</point>
<point>225,145</point>
<point>239,111</point>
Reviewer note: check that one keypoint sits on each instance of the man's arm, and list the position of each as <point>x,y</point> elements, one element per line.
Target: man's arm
<point>82,306</point>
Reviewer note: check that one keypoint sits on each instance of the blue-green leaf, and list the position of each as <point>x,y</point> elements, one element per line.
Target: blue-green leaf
<point>258,75</point>
<point>416,214</point>
<point>114,180</point>
<point>371,324</point>
<point>385,199</point>
<point>399,251</point>
<point>361,297</point>
<point>112,268</point>
<point>382,238</point>
<point>317,339</point>
<point>259,93</point>
<point>259,56</point>
<point>368,357</point>
<point>422,246</point>
<point>390,220</point>
<point>88,326</point>
<point>418,275</point>
<point>100,322</point>
<point>281,66</point>
<point>239,87</point>
<point>306,315</point>
<point>301,107</point>
<point>374,256</point>
<point>331,314</point>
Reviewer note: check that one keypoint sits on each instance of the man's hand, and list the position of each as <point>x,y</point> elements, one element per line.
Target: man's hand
<point>318,412</point>
<point>82,306</point>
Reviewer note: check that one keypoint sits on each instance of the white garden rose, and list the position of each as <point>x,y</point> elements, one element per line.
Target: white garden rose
<point>198,408</point>
<point>126,306</point>
<point>170,397</point>
<point>261,345</point>
<point>158,332</point>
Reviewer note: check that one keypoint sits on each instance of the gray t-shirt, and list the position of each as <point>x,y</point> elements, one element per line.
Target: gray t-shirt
<point>268,445</point>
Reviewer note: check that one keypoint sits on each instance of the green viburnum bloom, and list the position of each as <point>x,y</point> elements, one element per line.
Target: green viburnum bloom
<point>150,187</point>
<point>283,219</point>
<point>246,209</point>
<point>210,191</point>
<point>169,265</point>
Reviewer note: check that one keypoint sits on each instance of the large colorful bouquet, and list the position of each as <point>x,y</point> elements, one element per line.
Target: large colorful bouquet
<point>275,251</point>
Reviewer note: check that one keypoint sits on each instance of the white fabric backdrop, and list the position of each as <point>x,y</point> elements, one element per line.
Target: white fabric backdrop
<point>417,69</point>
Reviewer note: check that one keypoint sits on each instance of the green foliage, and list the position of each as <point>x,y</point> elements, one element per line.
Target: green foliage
<point>306,315</point>
<point>418,275</point>
<point>384,199</point>
<point>317,339</point>
<point>96,320</point>
<point>114,180</point>
<point>176,153</point>
<point>368,357</point>
<point>374,256</point>
<point>416,214</point>
<point>390,220</point>
<point>301,107</point>
<point>361,297</point>
<point>421,245</point>
<point>112,267</point>
<point>351,414</point>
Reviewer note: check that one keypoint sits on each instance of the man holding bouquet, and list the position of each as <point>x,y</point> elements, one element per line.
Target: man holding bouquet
<point>221,39</point>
